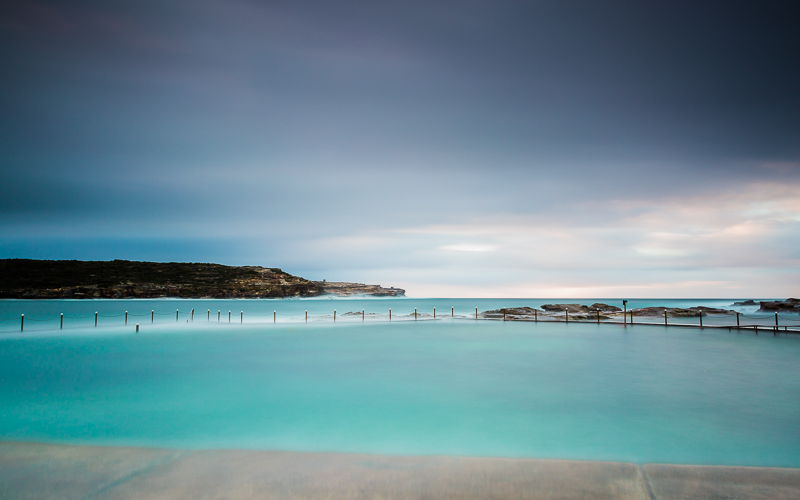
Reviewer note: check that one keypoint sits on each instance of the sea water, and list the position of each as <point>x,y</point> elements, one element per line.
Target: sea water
<point>447,387</point>
<point>45,315</point>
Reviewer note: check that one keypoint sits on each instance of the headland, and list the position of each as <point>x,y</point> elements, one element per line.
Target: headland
<point>121,279</point>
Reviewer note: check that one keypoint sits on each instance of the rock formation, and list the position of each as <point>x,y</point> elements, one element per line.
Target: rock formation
<point>117,279</point>
<point>788,305</point>
<point>344,289</point>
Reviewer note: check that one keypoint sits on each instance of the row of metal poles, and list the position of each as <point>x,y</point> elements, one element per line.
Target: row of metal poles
<point>363,317</point>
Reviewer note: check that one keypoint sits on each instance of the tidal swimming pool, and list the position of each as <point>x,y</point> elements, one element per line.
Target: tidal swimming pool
<point>454,387</point>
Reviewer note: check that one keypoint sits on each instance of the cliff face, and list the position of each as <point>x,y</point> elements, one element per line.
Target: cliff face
<point>345,289</point>
<point>34,279</point>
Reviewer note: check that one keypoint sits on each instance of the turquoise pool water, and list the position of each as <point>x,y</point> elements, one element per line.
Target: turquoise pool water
<point>454,387</point>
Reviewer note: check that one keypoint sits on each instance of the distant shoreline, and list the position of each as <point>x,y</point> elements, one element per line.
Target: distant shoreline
<point>122,279</point>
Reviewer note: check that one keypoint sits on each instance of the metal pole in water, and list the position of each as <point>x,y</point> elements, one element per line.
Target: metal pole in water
<point>334,315</point>
<point>452,311</point>
<point>176,315</point>
<point>95,319</point>
<point>504,314</point>
<point>476,313</point>
<point>126,317</point>
<point>219,313</point>
<point>631,316</point>
<point>152,315</point>
<point>415,314</point>
<point>737,319</point>
<point>209,315</point>
<point>362,315</point>
<point>229,316</point>
<point>241,317</point>
<point>62,321</point>
<point>665,316</point>
<point>434,313</point>
<point>566,315</point>
<point>776,321</point>
<point>22,323</point>
<point>598,316</point>
<point>625,312</point>
<point>306,316</point>
<point>274,316</point>
<point>701,319</point>
<point>193,314</point>
<point>137,327</point>
<point>390,314</point>
<point>535,315</point>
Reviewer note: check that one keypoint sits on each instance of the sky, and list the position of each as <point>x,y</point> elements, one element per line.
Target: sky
<point>454,149</point>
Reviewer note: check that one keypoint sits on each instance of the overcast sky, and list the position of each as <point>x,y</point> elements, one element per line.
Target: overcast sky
<point>461,149</point>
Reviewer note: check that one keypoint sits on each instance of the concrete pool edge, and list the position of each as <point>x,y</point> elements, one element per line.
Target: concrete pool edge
<point>39,470</point>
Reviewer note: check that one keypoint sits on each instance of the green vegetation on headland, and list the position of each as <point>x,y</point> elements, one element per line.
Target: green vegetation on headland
<point>74,279</point>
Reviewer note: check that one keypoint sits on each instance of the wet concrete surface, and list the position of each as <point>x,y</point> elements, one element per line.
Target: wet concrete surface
<point>38,471</point>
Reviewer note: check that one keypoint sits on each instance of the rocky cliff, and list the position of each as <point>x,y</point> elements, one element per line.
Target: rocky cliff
<point>73,279</point>
<point>344,289</point>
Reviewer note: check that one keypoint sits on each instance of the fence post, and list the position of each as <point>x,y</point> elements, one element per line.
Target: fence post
<point>126,317</point>
<point>22,323</point>
<point>95,319</point>
<point>62,321</point>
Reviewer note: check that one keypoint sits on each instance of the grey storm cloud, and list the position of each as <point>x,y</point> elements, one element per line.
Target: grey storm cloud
<point>371,140</point>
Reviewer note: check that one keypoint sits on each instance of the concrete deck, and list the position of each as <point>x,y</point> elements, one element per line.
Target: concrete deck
<point>33,471</point>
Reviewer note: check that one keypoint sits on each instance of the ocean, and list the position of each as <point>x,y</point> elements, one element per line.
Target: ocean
<point>455,386</point>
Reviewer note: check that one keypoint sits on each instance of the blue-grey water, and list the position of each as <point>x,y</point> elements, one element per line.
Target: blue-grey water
<point>454,386</point>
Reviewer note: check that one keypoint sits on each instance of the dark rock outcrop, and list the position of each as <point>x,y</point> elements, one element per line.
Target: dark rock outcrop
<point>571,308</point>
<point>746,303</point>
<point>511,313</point>
<point>788,305</point>
<point>119,279</point>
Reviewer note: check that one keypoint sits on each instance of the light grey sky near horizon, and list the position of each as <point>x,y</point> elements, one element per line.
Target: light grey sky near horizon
<point>461,149</point>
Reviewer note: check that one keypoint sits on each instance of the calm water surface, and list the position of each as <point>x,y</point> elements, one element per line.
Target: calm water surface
<point>455,387</point>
